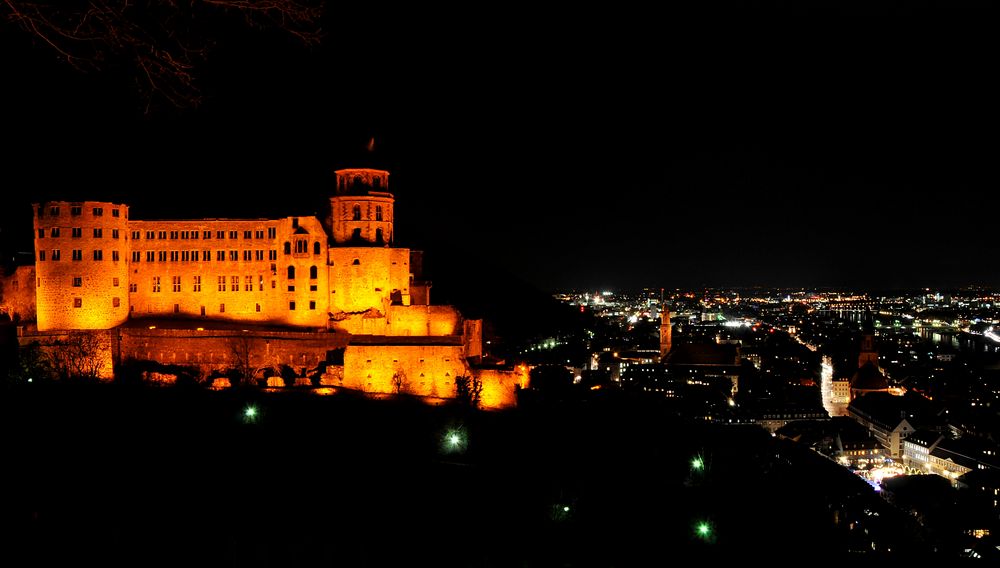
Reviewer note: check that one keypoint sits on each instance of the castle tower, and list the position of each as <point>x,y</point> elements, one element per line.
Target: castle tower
<point>81,264</point>
<point>361,210</point>
<point>665,332</point>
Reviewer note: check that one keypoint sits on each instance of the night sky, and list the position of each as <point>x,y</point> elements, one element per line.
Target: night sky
<point>771,145</point>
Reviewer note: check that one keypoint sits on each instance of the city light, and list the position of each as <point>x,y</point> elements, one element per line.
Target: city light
<point>697,463</point>
<point>250,414</point>
<point>703,530</point>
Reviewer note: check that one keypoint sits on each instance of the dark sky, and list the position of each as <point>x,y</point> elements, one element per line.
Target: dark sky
<point>751,144</point>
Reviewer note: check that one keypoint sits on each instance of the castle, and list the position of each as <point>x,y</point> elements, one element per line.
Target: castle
<point>305,289</point>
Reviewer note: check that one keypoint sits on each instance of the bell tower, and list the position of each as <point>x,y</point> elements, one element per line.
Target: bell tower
<point>361,209</point>
<point>665,330</point>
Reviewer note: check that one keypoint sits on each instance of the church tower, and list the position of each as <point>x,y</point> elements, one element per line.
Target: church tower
<point>361,209</point>
<point>665,331</point>
<point>868,354</point>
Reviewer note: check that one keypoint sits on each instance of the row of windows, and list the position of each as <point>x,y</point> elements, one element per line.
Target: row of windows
<point>78,281</point>
<point>206,255</point>
<point>356,213</point>
<point>77,254</point>
<point>234,282</point>
<point>76,233</point>
<point>76,211</point>
<point>78,302</point>
<point>272,233</point>
<point>301,247</point>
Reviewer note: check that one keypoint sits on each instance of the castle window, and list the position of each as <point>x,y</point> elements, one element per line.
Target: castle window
<point>247,234</point>
<point>150,256</point>
<point>116,302</point>
<point>234,234</point>
<point>162,235</point>
<point>76,210</point>
<point>114,281</point>
<point>98,255</point>
<point>177,308</point>
<point>114,256</point>
<point>258,307</point>
<point>186,255</point>
<point>291,305</point>
<point>288,247</point>
<point>206,256</point>
<point>150,235</point>
<point>235,281</point>
<point>184,235</point>
<point>114,212</point>
<point>98,233</point>
<point>136,235</point>
<point>206,234</point>
<point>312,304</point>
<point>247,255</point>
<point>260,283</point>
<point>55,231</point>
<point>77,302</point>
<point>291,273</point>
<point>248,284</point>
<point>378,236</point>
<point>77,254</point>
<point>356,262</point>
<point>41,233</point>
<point>133,287</point>
<point>234,255</point>
<point>174,256</point>
<point>173,235</point>
<point>258,255</point>
<point>161,255</point>
<point>222,283</point>
<point>41,255</point>
<point>222,308</point>
<point>356,216</point>
<point>156,283</point>
<point>56,254</point>
<point>114,233</point>
<point>77,281</point>
<point>54,211</point>
<point>220,255</point>
<point>291,287</point>
<point>77,232</point>
<point>197,284</point>
<point>272,233</point>
<point>220,234</point>
<point>316,247</point>
<point>274,284</point>
<point>258,234</point>
<point>176,283</point>
<point>378,212</point>
<point>357,181</point>
<point>98,212</point>
<point>272,254</point>
<point>301,246</point>
<point>313,287</point>
<point>356,235</point>
<point>313,272</point>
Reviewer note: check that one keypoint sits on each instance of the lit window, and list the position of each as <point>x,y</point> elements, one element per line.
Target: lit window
<point>116,302</point>
<point>176,280</point>
<point>222,283</point>
<point>197,284</point>
<point>77,302</point>
<point>156,283</point>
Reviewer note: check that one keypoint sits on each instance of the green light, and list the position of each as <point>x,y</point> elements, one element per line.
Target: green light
<point>250,412</point>
<point>697,463</point>
<point>703,529</point>
<point>566,509</point>
<point>454,439</point>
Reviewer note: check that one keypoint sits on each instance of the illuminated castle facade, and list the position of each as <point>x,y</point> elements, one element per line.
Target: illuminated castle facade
<point>338,278</point>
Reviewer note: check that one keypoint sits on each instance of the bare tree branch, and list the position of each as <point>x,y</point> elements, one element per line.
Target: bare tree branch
<point>163,41</point>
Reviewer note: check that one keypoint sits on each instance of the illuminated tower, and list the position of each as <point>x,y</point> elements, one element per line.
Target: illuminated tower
<point>361,210</point>
<point>869,377</point>
<point>665,341</point>
<point>81,262</point>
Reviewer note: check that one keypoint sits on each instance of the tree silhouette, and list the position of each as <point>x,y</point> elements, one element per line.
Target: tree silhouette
<point>161,42</point>
<point>468,390</point>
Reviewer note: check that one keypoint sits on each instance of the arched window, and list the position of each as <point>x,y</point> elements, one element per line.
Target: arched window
<point>357,213</point>
<point>291,273</point>
<point>356,262</point>
<point>378,212</point>
<point>288,247</point>
<point>313,273</point>
<point>316,247</point>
